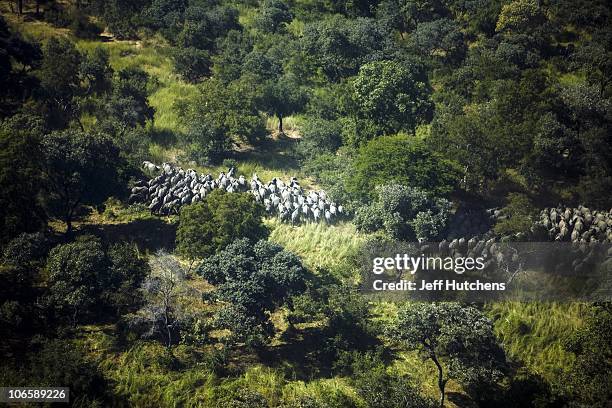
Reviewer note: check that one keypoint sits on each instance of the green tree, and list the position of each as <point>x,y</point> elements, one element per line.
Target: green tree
<point>521,215</point>
<point>193,64</point>
<point>520,16</point>
<point>96,72</point>
<point>206,143</point>
<point>405,213</point>
<point>210,225</point>
<point>440,40</point>
<point>255,280</point>
<point>590,376</point>
<point>273,16</point>
<point>60,80</point>
<point>393,96</point>
<point>232,108</point>
<point>18,58</point>
<point>78,169</point>
<point>319,136</point>
<point>459,340</point>
<point>20,178</point>
<point>127,270</point>
<point>283,97</point>
<point>78,272</point>
<point>403,160</point>
<point>340,45</point>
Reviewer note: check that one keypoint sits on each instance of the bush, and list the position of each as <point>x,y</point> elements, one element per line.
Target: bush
<point>57,16</point>
<point>403,160</point>
<point>85,278</point>
<point>191,63</point>
<point>206,143</point>
<point>83,27</point>
<point>519,212</point>
<point>255,280</point>
<point>319,136</point>
<point>404,213</point>
<point>209,226</point>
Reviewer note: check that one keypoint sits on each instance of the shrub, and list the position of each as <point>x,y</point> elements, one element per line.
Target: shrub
<point>319,136</point>
<point>191,63</point>
<point>209,226</point>
<point>206,143</point>
<point>254,280</point>
<point>404,213</point>
<point>403,160</point>
<point>519,213</point>
<point>83,27</point>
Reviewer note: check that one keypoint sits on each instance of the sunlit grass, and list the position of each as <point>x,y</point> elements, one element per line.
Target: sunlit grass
<point>319,244</point>
<point>533,333</point>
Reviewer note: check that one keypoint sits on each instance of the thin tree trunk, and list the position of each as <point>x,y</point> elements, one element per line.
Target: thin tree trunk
<point>280,123</point>
<point>20,7</point>
<point>68,225</point>
<point>441,381</point>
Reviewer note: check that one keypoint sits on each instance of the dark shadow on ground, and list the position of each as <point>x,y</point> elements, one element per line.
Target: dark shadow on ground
<point>310,353</point>
<point>277,152</point>
<point>148,234</point>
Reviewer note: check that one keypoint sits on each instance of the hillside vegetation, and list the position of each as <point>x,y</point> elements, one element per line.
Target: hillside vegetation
<point>407,113</point>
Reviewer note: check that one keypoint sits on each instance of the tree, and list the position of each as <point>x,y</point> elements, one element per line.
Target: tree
<point>17,59</point>
<point>393,96</point>
<point>521,215</point>
<point>319,136</point>
<point>404,160</point>
<point>520,16</point>
<point>127,271</point>
<point>440,39</point>
<point>60,80</point>
<point>220,219</point>
<point>283,97</point>
<point>232,108</point>
<point>273,16</point>
<point>77,274</point>
<point>590,375</point>
<point>193,64</point>
<point>232,51</point>
<point>78,169</point>
<point>255,280</point>
<point>405,213</point>
<point>206,143</point>
<point>96,72</point>
<point>129,100</point>
<point>340,45</point>
<point>20,179</point>
<point>163,313</point>
<point>459,340</point>
<point>379,389</point>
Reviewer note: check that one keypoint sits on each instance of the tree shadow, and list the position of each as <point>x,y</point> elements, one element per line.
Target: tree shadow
<point>276,152</point>
<point>311,352</point>
<point>150,234</point>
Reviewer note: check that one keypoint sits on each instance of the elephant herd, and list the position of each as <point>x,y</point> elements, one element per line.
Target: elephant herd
<point>576,224</point>
<point>174,187</point>
<point>583,236</point>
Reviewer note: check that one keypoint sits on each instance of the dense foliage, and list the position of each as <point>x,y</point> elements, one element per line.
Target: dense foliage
<point>403,111</point>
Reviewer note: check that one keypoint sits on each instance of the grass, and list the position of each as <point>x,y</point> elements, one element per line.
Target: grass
<point>319,245</point>
<point>154,56</point>
<point>533,333</point>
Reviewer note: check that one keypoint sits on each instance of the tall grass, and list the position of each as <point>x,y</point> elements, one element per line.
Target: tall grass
<point>533,333</point>
<point>319,245</point>
<point>154,56</point>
